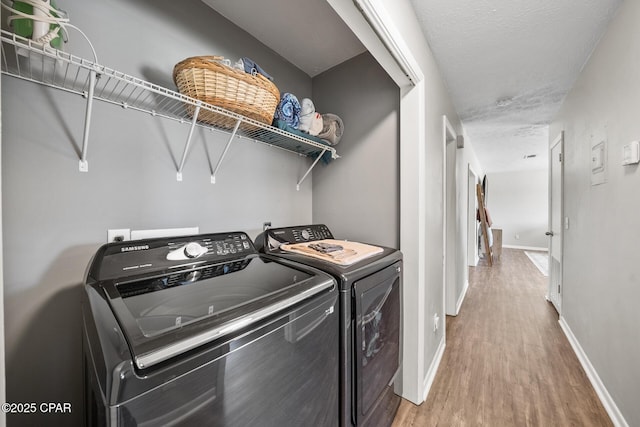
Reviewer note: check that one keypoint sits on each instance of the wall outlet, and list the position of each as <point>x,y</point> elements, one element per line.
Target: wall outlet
<point>631,153</point>
<point>517,236</point>
<point>118,235</point>
<point>436,322</point>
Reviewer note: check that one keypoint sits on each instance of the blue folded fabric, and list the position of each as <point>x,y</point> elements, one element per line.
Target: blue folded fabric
<point>288,110</point>
<point>250,66</point>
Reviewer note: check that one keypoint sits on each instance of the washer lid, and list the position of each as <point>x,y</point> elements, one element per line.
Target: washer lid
<point>171,295</point>
<point>165,316</point>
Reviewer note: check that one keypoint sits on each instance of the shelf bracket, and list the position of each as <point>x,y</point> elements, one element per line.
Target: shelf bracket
<point>194,120</point>
<point>309,170</point>
<point>224,153</point>
<point>84,165</point>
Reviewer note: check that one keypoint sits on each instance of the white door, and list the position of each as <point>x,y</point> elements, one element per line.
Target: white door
<point>449,242</point>
<point>555,222</point>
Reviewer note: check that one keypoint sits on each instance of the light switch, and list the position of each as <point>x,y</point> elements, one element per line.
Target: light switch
<point>631,153</point>
<point>597,158</point>
<point>599,162</point>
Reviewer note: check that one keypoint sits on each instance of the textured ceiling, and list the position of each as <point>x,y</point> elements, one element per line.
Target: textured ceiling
<point>508,65</point>
<point>306,32</point>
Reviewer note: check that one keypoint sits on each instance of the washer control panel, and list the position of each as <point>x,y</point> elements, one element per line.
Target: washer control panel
<point>140,256</point>
<point>274,237</point>
<point>188,251</point>
<point>215,246</point>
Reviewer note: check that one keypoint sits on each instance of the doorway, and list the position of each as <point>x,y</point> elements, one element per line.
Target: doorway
<point>472,224</point>
<point>449,243</point>
<point>554,232</point>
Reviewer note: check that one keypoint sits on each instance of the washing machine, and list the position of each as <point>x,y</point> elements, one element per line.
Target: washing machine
<point>203,330</point>
<point>369,279</point>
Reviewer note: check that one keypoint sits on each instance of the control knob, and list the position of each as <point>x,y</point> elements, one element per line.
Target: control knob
<point>305,234</point>
<point>194,250</point>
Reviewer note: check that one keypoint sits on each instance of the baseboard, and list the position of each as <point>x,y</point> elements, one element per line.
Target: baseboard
<point>462,295</point>
<point>607,401</point>
<point>526,248</point>
<point>433,369</point>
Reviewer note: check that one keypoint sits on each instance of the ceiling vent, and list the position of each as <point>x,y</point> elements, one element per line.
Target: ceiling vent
<point>504,102</point>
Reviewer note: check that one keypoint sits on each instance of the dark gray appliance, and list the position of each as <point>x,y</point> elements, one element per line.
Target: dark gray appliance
<point>370,318</point>
<point>204,331</point>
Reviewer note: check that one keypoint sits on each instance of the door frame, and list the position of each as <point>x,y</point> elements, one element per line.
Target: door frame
<point>449,202</point>
<point>554,294</point>
<point>472,223</point>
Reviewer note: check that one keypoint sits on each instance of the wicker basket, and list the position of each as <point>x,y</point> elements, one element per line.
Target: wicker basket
<point>207,79</point>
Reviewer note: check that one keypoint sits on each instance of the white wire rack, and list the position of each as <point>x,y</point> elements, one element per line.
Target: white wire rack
<point>34,62</point>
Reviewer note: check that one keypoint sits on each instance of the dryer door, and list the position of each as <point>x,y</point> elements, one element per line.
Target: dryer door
<point>377,338</point>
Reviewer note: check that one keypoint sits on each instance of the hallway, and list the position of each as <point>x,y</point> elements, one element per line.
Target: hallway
<point>507,361</point>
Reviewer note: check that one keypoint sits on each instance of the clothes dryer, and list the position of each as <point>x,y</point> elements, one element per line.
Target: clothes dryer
<point>369,280</point>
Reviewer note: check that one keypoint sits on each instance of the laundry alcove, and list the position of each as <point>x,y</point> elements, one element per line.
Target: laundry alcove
<point>55,217</point>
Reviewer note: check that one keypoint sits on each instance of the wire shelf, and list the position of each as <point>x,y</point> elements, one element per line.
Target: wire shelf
<point>38,63</point>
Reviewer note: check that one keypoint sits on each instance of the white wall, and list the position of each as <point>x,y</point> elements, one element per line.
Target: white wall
<point>601,291</point>
<point>55,217</point>
<point>518,204</point>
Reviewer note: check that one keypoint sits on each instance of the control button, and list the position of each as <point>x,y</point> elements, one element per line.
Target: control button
<point>305,234</point>
<point>194,250</point>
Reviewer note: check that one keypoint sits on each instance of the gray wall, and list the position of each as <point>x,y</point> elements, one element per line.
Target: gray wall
<point>601,292</point>
<point>357,196</point>
<point>519,205</point>
<point>55,217</point>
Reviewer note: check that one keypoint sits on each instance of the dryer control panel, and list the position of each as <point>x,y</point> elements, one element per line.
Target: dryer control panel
<point>272,238</point>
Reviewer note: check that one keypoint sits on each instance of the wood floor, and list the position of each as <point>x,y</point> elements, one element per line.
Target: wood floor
<point>507,362</point>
